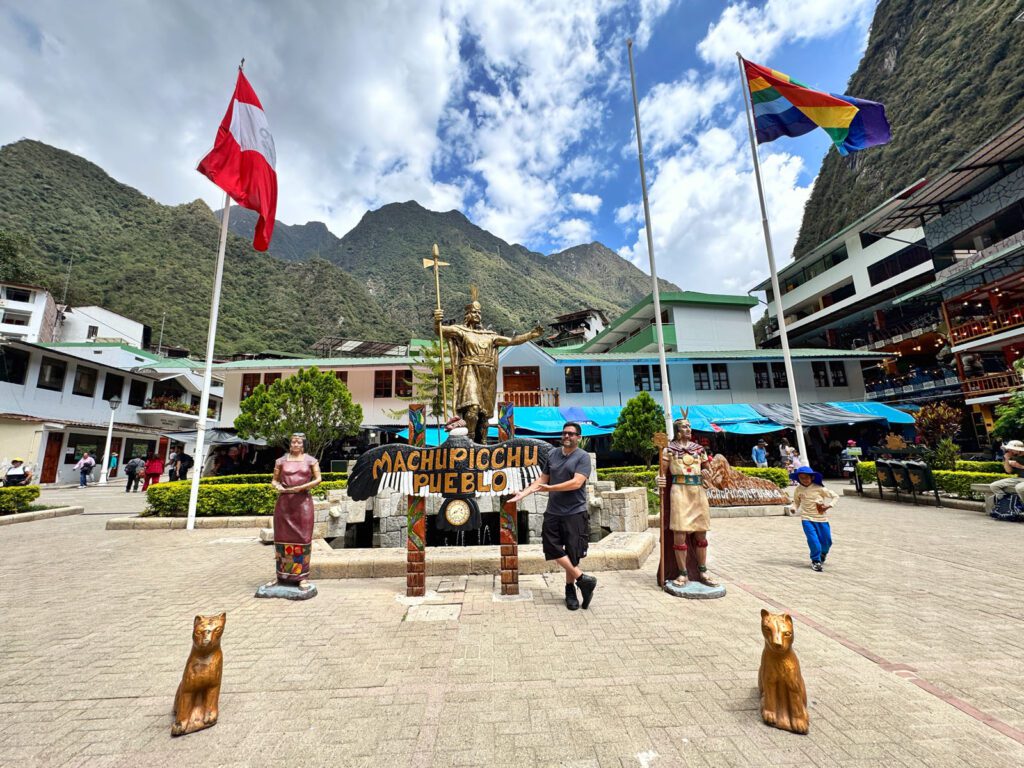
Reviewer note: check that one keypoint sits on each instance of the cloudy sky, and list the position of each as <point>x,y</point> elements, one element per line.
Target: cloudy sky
<point>516,112</point>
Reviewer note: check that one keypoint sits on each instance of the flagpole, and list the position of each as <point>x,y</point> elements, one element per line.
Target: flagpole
<point>204,400</point>
<point>666,395</point>
<point>783,335</point>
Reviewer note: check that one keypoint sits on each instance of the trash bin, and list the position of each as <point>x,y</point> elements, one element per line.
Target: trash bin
<point>885,477</point>
<point>921,479</point>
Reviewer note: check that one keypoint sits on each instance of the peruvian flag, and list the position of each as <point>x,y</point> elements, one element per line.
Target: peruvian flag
<point>243,159</point>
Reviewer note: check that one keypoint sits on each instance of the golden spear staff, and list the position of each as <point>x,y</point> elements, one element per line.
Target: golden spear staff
<point>427,264</point>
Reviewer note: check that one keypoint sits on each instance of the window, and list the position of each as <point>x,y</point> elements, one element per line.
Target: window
<point>403,383</point>
<point>18,294</point>
<point>79,444</point>
<point>11,317</point>
<point>820,370</point>
<point>93,332</point>
<point>137,393</point>
<point>573,379</point>
<point>113,385</point>
<point>85,381</point>
<point>720,375</point>
<point>592,377</point>
<point>270,378</point>
<point>51,374</point>
<point>897,263</point>
<point>641,378</point>
<point>779,380</point>
<point>249,382</point>
<point>137,449</point>
<point>838,368</point>
<point>382,383</point>
<point>657,377</point>
<point>701,379</point>
<point>342,376</point>
<point>13,365</point>
<point>761,378</point>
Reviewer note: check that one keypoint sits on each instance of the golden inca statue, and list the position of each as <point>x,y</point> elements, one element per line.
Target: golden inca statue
<point>474,351</point>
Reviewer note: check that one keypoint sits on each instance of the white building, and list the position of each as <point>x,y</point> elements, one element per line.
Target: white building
<point>711,358</point>
<point>27,313</point>
<point>99,324</point>
<point>56,403</point>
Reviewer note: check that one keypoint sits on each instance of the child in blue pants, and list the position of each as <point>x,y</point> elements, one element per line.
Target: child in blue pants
<point>813,500</point>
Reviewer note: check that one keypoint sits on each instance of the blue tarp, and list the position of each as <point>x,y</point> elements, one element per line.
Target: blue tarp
<point>878,410</point>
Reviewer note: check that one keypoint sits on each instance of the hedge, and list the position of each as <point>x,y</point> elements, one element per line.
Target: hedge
<point>992,467</point>
<point>247,479</point>
<point>220,500</point>
<point>17,498</point>
<point>956,483</point>
<point>639,478</point>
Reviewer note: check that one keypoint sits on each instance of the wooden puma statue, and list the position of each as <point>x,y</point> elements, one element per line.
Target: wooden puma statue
<point>783,695</point>
<point>195,704</point>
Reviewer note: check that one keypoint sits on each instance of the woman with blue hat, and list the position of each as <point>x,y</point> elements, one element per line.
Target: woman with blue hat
<point>814,500</point>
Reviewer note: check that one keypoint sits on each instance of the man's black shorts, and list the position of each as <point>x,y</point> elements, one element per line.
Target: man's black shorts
<point>566,535</point>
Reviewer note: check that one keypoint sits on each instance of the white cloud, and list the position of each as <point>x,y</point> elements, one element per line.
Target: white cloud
<point>585,203</point>
<point>672,112</point>
<point>756,31</point>
<point>569,232</point>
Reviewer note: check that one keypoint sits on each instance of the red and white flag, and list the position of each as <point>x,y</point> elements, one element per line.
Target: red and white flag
<point>243,160</point>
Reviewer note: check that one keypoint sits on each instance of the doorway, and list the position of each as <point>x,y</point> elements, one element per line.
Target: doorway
<point>51,458</point>
<point>522,385</point>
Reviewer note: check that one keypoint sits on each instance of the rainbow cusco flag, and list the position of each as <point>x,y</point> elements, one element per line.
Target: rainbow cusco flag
<point>785,107</point>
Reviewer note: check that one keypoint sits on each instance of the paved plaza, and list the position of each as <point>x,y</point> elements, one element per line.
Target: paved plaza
<point>911,642</point>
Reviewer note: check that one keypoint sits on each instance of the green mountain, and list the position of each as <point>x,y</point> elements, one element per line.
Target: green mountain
<point>137,257</point>
<point>518,287</point>
<point>950,73</point>
<point>140,258</point>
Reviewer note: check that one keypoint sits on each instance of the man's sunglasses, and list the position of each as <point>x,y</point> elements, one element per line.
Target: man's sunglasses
<point>571,434</point>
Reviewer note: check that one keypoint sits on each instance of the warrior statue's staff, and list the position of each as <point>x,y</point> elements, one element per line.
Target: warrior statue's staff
<point>427,264</point>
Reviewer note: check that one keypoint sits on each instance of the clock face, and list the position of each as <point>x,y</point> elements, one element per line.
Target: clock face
<point>457,512</point>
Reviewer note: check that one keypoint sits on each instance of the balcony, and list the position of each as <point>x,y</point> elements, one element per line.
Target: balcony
<point>991,384</point>
<point>912,385</point>
<point>987,326</point>
<point>527,398</point>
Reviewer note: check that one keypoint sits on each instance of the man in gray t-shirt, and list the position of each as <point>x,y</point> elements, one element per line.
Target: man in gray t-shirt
<point>566,530</point>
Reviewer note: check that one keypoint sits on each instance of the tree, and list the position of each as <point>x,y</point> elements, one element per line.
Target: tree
<point>638,422</point>
<point>314,403</point>
<point>15,263</point>
<point>426,382</point>
<point>1010,418</point>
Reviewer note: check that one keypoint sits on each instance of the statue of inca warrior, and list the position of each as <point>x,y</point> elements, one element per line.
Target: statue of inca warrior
<point>474,351</point>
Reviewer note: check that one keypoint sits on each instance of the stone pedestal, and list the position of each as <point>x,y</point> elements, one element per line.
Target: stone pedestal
<point>694,590</point>
<point>287,591</point>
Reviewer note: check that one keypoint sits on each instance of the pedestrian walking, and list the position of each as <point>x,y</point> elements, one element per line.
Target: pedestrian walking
<point>759,454</point>
<point>172,466</point>
<point>182,464</point>
<point>17,474</point>
<point>565,534</point>
<point>134,470</point>
<point>84,467</point>
<point>112,466</point>
<point>154,468</point>
<point>813,500</point>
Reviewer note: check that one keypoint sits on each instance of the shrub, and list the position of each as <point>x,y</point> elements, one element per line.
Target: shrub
<point>17,498</point>
<point>220,500</point>
<point>992,467</point>
<point>264,478</point>
<point>778,476</point>
<point>956,483</point>
<point>959,483</point>
<point>645,478</point>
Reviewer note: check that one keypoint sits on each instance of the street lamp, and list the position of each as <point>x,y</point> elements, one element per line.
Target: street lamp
<point>114,403</point>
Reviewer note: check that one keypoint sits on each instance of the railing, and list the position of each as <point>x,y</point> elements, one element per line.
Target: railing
<point>991,384</point>
<point>172,404</point>
<point>986,326</point>
<point>526,398</point>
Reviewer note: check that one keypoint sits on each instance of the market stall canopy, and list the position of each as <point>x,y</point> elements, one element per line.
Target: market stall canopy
<point>812,414</point>
<point>879,410</point>
<point>215,437</point>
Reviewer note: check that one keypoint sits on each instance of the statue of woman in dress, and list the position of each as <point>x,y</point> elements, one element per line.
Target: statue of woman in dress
<point>686,514</point>
<point>295,475</point>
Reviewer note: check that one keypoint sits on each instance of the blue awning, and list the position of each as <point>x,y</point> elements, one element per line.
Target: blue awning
<point>878,410</point>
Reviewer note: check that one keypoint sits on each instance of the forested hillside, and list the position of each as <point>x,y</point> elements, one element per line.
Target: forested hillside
<point>950,73</point>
